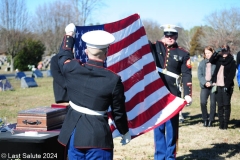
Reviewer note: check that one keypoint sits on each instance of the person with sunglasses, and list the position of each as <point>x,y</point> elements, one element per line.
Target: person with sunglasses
<point>172,62</point>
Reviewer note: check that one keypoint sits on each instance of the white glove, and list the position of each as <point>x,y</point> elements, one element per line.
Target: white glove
<point>126,138</point>
<point>70,28</point>
<point>188,99</point>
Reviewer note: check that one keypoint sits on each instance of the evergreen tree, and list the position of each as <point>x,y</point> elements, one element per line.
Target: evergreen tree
<point>195,48</point>
<point>30,54</point>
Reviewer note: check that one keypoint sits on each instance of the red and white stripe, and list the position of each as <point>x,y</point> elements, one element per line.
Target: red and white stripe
<point>148,101</point>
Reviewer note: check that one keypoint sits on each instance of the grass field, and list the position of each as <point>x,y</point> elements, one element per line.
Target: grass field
<point>195,141</point>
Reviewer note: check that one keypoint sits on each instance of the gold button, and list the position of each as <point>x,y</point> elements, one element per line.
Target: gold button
<point>166,65</point>
<point>66,45</point>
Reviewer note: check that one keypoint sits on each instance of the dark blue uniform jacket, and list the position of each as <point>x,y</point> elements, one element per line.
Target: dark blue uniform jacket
<point>92,86</point>
<point>176,60</point>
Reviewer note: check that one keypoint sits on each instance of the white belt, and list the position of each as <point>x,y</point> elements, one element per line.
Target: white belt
<point>86,110</point>
<point>164,71</point>
<point>171,74</point>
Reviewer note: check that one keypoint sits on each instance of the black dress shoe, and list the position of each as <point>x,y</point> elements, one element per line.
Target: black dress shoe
<point>205,123</point>
<point>210,124</point>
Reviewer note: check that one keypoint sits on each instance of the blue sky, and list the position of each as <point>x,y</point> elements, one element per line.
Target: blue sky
<point>186,13</point>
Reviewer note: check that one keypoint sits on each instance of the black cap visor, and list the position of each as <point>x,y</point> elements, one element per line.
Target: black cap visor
<point>170,33</point>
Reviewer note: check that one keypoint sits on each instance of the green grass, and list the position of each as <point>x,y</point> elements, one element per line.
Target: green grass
<point>11,102</point>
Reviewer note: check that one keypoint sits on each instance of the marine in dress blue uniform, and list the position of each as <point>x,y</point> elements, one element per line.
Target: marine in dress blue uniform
<point>91,90</point>
<point>175,60</point>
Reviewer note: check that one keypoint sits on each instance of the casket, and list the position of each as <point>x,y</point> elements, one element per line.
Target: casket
<point>41,118</point>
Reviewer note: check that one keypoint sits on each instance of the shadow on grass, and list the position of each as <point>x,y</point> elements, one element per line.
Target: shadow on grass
<point>228,150</point>
<point>191,120</point>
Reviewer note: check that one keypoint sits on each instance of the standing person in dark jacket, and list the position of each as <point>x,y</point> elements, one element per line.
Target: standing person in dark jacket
<point>59,85</point>
<point>172,62</point>
<point>205,72</point>
<point>92,89</point>
<point>223,78</point>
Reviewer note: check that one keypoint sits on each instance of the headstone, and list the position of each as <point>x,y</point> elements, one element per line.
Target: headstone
<point>2,77</point>
<point>20,75</point>
<point>1,86</point>
<point>37,74</point>
<point>27,82</point>
<point>5,84</point>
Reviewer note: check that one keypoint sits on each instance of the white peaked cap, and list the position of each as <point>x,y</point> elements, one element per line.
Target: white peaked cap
<point>170,28</point>
<point>98,39</point>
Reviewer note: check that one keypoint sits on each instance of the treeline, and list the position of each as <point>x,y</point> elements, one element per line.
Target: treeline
<point>22,32</point>
<point>19,28</point>
<point>223,27</point>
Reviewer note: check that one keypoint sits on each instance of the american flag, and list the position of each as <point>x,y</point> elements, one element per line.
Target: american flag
<point>148,102</point>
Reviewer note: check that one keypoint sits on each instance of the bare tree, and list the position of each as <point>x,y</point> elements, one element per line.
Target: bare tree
<point>184,38</point>
<point>153,30</point>
<point>85,8</point>
<point>13,25</point>
<point>223,28</point>
<point>50,21</point>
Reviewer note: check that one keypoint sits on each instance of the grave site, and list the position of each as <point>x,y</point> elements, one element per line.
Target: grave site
<point>35,127</point>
